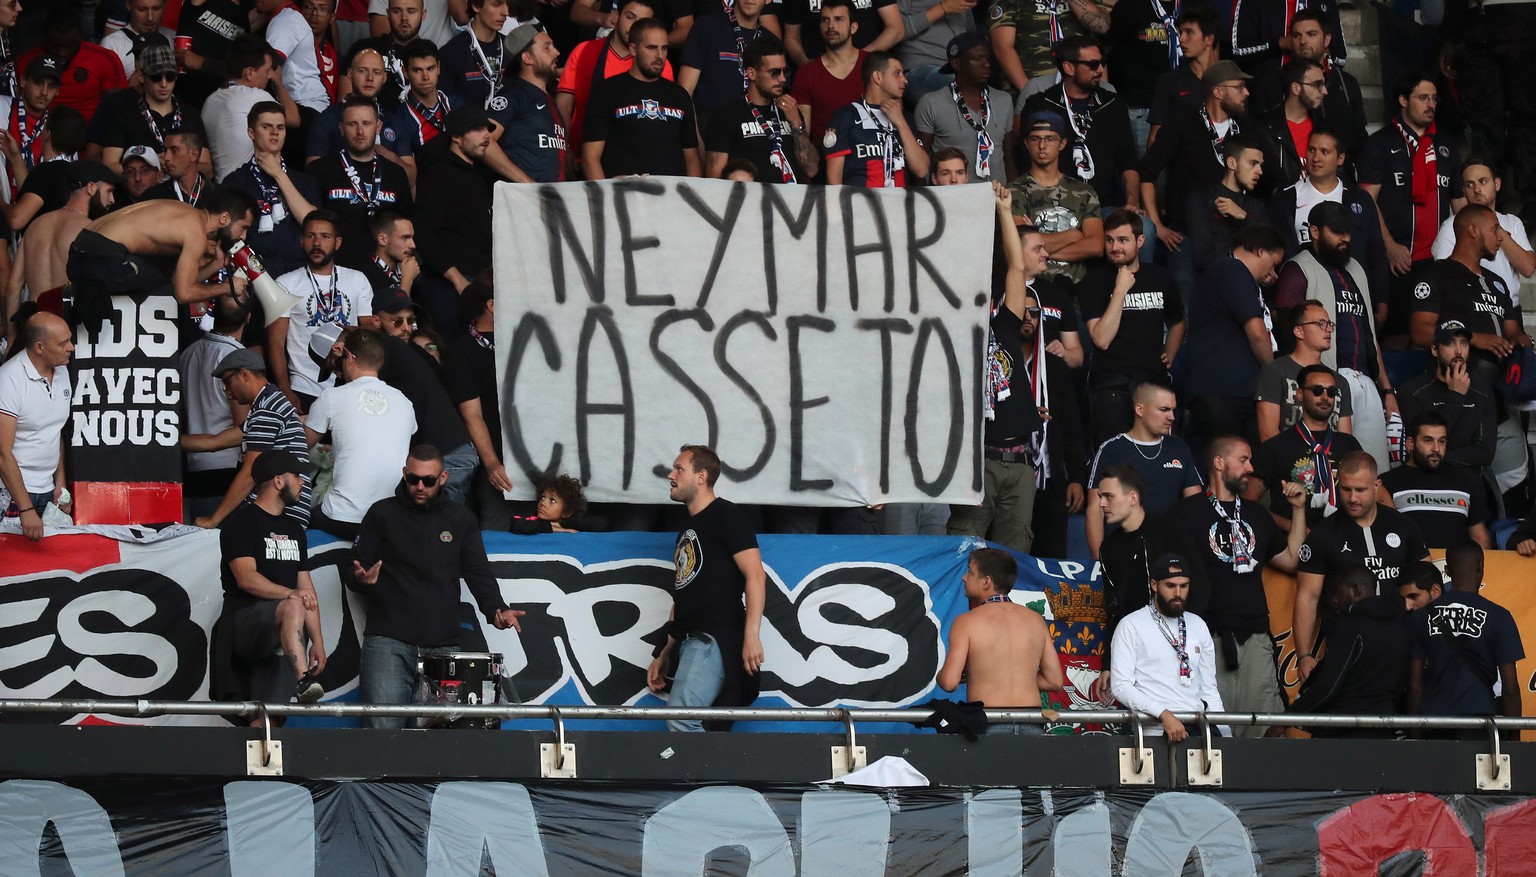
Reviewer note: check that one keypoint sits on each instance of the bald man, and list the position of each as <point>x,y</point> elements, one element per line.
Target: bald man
<point>34,405</point>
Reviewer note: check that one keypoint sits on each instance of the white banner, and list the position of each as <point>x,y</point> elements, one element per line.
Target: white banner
<point>827,341</point>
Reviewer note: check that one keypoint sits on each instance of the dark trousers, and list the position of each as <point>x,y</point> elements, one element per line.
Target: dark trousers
<point>1050,520</point>
<point>1112,411</point>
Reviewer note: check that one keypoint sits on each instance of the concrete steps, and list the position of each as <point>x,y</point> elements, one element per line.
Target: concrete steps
<point>1359,27</point>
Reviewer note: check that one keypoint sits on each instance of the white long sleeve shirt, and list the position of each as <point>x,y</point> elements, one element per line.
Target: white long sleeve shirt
<point>1144,668</point>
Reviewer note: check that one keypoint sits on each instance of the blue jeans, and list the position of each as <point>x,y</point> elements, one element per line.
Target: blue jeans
<point>387,675</point>
<point>1140,128</point>
<point>700,675</point>
<point>460,465</point>
<point>39,501</point>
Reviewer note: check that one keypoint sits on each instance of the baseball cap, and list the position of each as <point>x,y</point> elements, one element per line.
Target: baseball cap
<point>1169,566</point>
<point>1045,120</point>
<point>44,67</point>
<point>143,153</point>
<point>1329,215</point>
<point>83,172</point>
<point>959,44</point>
<point>1450,329</point>
<point>274,463</point>
<point>156,59</point>
<point>466,119</point>
<point>521,37</point>
<point>244,358</point>
<point>392,301</point>
<point>1222,71</point>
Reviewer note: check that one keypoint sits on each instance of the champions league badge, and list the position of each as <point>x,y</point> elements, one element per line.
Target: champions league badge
<point>496,104</point>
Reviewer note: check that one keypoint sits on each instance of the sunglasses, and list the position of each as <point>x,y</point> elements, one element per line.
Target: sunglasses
<point>1319,390</point>
<point>163,77</point>
<point>1032,311</point>
<point>1090,63</point>
<point>413,479</point>
<point>776,72</point>
<point>396,322</point>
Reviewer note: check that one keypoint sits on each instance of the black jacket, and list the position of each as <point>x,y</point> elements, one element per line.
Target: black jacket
<point>425,551</point>
<point>453,215</point>
<point>1209,233</point>
<point>1365,667</point>
<point>1109,139</point>
<point>1282,165</point>
<point>1473,418</point>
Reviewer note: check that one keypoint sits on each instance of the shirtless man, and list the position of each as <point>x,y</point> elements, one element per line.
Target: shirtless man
<point>1004,650</point>
<point>40,258</point>
<point>108,257</point>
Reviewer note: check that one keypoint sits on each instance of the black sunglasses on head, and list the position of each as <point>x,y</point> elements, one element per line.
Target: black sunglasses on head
<point>413,479</point>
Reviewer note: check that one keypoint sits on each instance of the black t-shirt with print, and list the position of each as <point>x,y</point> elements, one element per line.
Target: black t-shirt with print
<point>1151,307</point>
<point>1234,579</point>
<point>1444,502</point>
<point>708,587</point>
<point>1386,548</point>
<point>1288,457</point>
<point>275,541</point>
<point>644,126</point>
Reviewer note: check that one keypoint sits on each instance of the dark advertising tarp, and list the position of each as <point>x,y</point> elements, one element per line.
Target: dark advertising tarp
<point>120,828</point>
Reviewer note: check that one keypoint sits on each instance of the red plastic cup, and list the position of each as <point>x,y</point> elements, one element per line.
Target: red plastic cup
<point>183,45</point>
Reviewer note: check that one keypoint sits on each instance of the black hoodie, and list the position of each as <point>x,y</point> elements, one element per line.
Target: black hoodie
<point>425,550</point>
<point>1365,669</point>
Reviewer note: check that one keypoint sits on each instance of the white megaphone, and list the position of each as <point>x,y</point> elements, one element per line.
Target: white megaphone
<point>275,300</point>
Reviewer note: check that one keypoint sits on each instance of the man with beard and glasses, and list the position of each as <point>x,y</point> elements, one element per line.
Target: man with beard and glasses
<point>328,295</point>
<point>1364,531</point>
<point>1306,453</point>
<point>1277,395</point>
<point>412,551</point>
<point>766,127</point>
<point>1189,148</point>
<point>1448,503</point>
<point>1135,317</point>
<point>1413,171</point>
<point>119,252</point>
<point>836,79</point>
<point>1452,388</point>
<point>970,115</point>
<point>284,196</point>
<point>1326,272</point>
<point>268,644</point>
<point>1215,213</point>
<point>1164,660</point>
<point>1286,127</point>
<point>641,123</point>
<point>1235,544</point>
<point>43,253</point>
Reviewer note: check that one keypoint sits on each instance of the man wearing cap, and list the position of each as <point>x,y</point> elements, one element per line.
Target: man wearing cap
<point>271,424</point>
<point>535,137</point>
<point>369,423</point>
<point>1163,658</point>
<point>85,70</point>
<point>869,143</point>
<point>284,196</point>
<point>1480,185</point>
<point>395,313</point>
<point>1326,272</point>
<point>1003,651</point>
<point>1063,210</point>
<point>1100,149</point>
<point>970,115</point>
<point>147,112</point>
<point>328,294</point>
<point>766,127</point>
<point>144,25</point>
<point>34,407</point>
<point>412,551</point>
<point>1453,389</point>
<point>259,649</point>
<point>1189,147</point>
<point>24,117</point>
<point>43,253</point>
<point>712,64</point>
<point>453,228</point>
<point>141,172</point>
<point>1212,214</point>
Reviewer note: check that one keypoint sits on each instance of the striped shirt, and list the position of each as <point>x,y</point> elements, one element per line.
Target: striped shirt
<point>273,425</point>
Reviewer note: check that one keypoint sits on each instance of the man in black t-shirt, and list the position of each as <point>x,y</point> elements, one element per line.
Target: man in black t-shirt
<point>640,123</point>
<point>1362,531</point>
<point>878,27</point>
<point>269,600</point>
<point>1308,453</point>
<point>1235,543</point>
<point>1460,288</point>
<point>717,596</point>
<point>1135,317</point>
<point>469,371</point>
<point>766,128</point>
<point>712,64</point>
<point>357,182</point>
<point>1448,503</point>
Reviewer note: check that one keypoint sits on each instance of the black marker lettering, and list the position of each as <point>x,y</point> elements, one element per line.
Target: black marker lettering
<point>770,429</point>
<point>882,245</point>
<point>812,206</point>
<point>798,403</point>
<point>531,327</point>
<point>915,246</point>
<point>602,317</point>
<point>885,327</point>
<point>562,232</point>
<point>629,245</point>
<point>926,329</point>
<point>723,224</point>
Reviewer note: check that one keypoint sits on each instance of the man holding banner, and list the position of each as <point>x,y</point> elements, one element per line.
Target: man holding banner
<point>718,562</point>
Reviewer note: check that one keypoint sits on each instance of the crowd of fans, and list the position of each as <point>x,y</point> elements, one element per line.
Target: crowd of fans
<point>1298,318</point>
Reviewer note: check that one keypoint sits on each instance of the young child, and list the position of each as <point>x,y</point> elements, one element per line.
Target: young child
<point>562,509</point>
